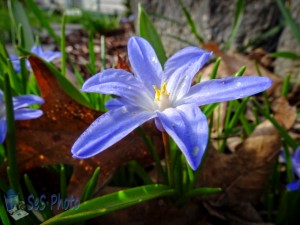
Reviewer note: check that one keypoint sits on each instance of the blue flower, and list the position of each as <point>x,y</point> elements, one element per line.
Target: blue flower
<point>294,185</point>
<point>163,95</point>
<point>20,111</point>
<point>48,56</point>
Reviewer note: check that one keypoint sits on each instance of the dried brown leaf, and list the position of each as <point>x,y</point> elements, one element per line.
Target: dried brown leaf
<point>242,175</point>
<point>284,113</point>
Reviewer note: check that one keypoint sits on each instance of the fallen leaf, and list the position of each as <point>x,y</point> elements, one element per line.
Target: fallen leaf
<point>242,175</point>
<point>284,113</point>
<point>48,139</point>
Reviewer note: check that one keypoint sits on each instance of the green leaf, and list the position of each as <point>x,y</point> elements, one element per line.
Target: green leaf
<point>111,202</point>
<point>63,182</point>
<point>63,47</point>
<point>140,171</point>
<point>7,67</point>
<point>286,86</point>
<point>92,55</point>
<point>91,185</point>
<point>13,174</point>
<point>103,52</point>
<point>148,31</point>
<point>238,16</point>
<point>286,54</point>
<point>154,154</point>
<point>289,19</point>
<point>191,22</point>
<point>43,20</point>
<point>3,213</point>
<point>214,71</point>
<point>18,16</point>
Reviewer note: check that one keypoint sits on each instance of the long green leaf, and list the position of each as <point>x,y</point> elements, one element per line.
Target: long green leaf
<point>148,31</point>
<point>42,19</point>
<point>91,185</point>
<point>3,213</point>
<point>11,137</point>
<point>63,47</point>
<point>18,16</point>
<point>286,54</point>
<point>111,202</point>
<point>289,19</point>
<point>7,67</point>
<point>238,16</point>
<point>191,22</point>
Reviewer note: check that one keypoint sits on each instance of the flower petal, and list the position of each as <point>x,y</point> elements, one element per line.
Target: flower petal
<point>49,55</point>
<point>26,100</point>
<point>15,63</point>
<point>296,162</point>
<point>113,81</point>
<point>225,89</point>
<point>188,127</point>
<point>181,68</point>
<point>27,114</point>
<point>3,130</point>
<point>115,103</point>
<point>37,49</point>
<point>1,97</point>
<point>293,186</point>
<point>144,62</point>
<point>109,129</point>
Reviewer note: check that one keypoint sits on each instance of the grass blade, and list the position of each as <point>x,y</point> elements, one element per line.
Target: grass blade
<point>286,54</point>
<point>92,53</point>
<point>91,186</point>
<point>148,31</point>
<point>111,202</point>
<point>63,47</point>
<point>238,16</point>
<point>286,85</point>
<point>3,214</point>
<point>103,52</point>
<point>11,138</point>
<point>42,19</point>
<point>191,22</point>
<point>18,16</point>
<point>214,71</point>
<point>63,182</point>
<point>289,19</point>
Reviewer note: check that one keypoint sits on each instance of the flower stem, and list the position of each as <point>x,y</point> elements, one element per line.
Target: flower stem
<point>168,160</point>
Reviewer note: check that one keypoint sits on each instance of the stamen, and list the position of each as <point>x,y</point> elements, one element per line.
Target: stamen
<point>157,93</point>
<point>161,96</point>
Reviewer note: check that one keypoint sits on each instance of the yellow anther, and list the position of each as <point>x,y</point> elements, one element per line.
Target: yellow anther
<point>159,92</point>
<point>164,88</point>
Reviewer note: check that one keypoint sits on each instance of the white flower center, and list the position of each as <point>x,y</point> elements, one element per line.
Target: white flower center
<point>162,97</point>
